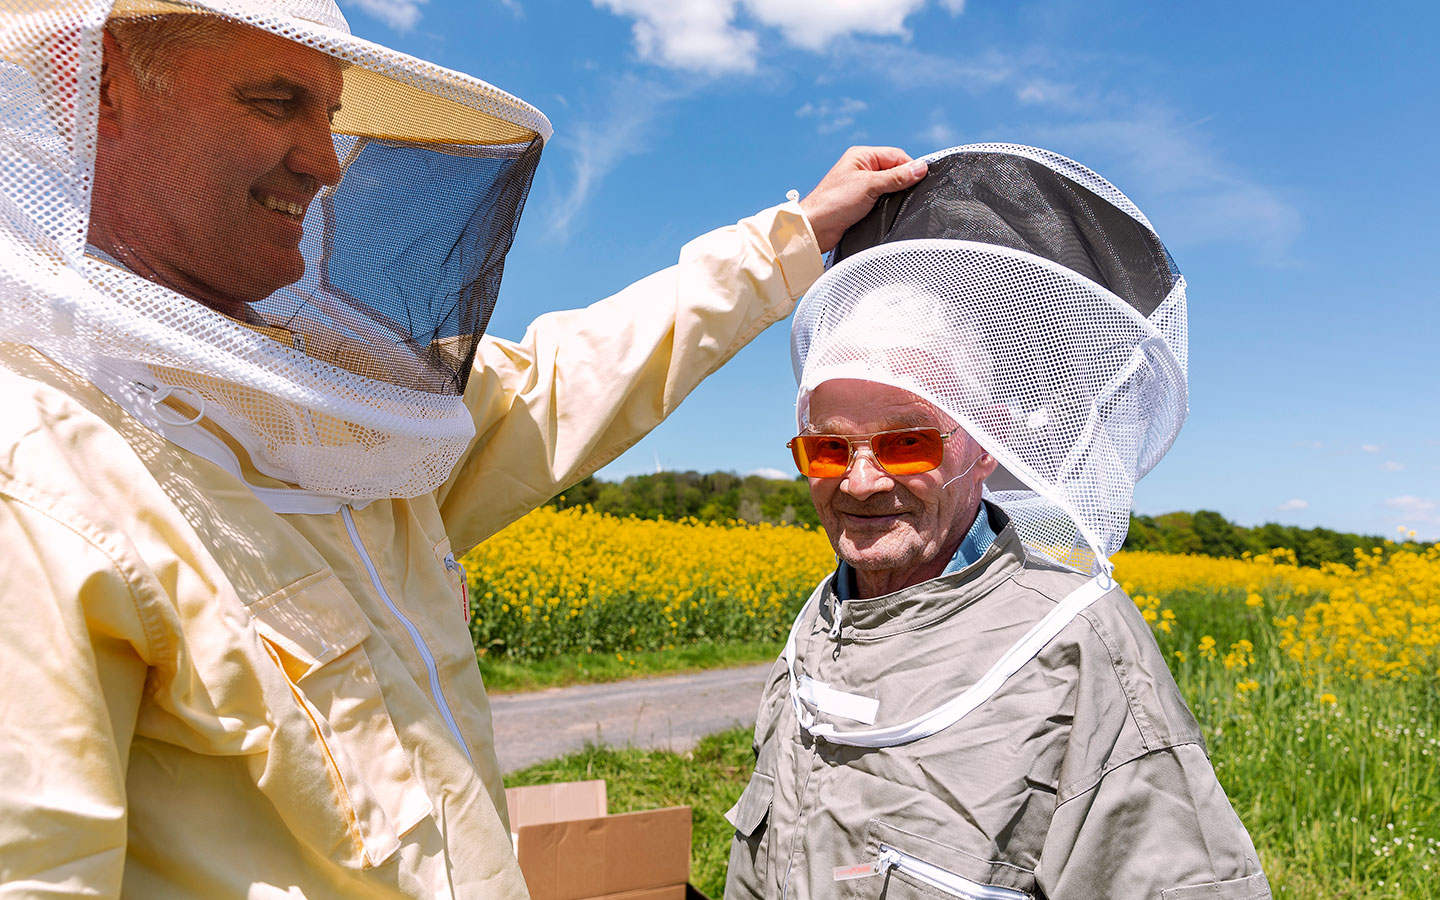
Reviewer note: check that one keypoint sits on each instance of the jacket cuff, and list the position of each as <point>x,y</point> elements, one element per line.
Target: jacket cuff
<point>796,250</point>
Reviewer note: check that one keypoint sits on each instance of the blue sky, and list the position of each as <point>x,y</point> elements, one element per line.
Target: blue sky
<point>1285,152</point>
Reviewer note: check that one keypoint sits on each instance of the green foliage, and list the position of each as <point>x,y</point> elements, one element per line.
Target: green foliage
<point>1207,533</point>
<point>716,497</point>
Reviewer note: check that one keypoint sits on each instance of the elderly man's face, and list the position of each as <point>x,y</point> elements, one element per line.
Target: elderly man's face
<point>204,187</point>
<point>894,530</point>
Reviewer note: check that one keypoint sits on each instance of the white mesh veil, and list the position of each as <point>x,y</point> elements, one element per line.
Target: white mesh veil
<point>1026,297</point>
<point>346,379</point>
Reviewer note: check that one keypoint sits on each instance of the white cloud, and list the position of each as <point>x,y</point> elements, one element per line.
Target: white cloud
<point>773,474</point>
<point>1370,448</point>
<point>1292,505</point>
<point>688,34</point>
<point>814,24</point>
<point>1391,465</point>
<point>400,15</point>
<point>1311,445</point>
<point>704,35</point>
<point>833,114</point>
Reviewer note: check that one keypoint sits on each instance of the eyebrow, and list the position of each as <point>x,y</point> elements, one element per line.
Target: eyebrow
<point>904,420</point>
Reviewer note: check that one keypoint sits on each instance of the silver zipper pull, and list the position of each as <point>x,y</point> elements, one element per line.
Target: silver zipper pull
<point>835,619</point>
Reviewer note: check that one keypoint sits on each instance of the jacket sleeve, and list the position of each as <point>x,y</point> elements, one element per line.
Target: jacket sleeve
<point>73,655</point>
<point>584,385</point>
<point>1160,827</point>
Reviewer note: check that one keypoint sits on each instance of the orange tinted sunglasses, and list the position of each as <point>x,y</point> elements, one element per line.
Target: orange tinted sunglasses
<point>903,451</point>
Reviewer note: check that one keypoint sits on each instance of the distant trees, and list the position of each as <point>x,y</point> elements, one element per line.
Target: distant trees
<point>715,497</point>
<point>1208,533</point>
<point>725,496</point>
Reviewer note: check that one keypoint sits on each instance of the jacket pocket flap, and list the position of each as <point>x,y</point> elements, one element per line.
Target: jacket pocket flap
<point>312,620</point>
<point>1251,887</point>
<point>753,806</point>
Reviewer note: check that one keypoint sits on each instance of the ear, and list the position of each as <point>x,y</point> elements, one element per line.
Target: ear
<point>985,466</point>
<point>110,62</point>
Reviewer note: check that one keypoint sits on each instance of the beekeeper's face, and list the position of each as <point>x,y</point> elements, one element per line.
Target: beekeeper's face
<point>202,184</point>
<point>895,530</point>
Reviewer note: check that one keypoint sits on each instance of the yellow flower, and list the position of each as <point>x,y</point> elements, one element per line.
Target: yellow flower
<point>1327,698</point>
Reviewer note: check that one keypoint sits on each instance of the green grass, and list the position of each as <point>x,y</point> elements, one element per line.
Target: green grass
<point>709,779</point>
<point>589,668</point>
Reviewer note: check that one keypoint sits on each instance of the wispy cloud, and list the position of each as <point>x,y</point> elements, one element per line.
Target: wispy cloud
<point>1416,510</point>
<point>1206,199</point>
<point>1311,445</point>
<point>832,115</point>
<point>723,36</point>
<point>1293,505</point>
<point>1370,448</point>
<point>400,15</point>
<point>1391,465</point>
<point>773,474</point>
<point>597,146</point>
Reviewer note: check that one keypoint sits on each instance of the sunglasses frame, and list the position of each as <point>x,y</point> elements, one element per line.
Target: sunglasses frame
<point>852,441</point>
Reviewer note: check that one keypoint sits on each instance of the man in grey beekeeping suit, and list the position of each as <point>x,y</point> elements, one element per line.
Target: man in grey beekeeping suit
<point>969,706</point>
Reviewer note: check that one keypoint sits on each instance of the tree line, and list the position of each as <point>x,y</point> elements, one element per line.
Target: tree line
<point>725,497</point>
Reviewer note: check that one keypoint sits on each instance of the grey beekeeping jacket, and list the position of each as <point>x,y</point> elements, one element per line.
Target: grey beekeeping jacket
<point>1084,777</point>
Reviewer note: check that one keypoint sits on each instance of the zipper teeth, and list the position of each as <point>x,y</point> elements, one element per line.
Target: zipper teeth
<point>425,655</point>
<point>944,879</point>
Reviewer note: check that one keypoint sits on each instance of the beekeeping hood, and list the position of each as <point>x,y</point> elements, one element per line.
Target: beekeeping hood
<point>347,381</point>
<point>1030,300</point>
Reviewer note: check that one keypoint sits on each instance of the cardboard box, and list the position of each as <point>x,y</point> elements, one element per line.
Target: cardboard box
<point>570,849</point>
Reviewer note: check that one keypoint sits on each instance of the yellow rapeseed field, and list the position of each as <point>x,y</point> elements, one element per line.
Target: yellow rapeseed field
<point>1318,690</point>
<point>575,581</point>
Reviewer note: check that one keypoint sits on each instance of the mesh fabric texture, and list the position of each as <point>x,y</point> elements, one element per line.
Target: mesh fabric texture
<point>1028,299</point>
<point>346,381</point>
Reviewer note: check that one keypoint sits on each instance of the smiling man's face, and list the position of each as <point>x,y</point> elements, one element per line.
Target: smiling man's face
<point>203,186</point>
<point>894,530</point>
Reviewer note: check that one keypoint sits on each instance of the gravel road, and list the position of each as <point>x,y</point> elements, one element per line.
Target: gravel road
<point>672,712</point>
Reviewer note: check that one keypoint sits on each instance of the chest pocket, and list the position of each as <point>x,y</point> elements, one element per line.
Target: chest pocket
<point>336,770</point>
<point>912,867</point>
<point>749,852</point>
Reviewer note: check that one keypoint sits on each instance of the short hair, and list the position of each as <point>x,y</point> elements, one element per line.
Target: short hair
<point>151,43</point>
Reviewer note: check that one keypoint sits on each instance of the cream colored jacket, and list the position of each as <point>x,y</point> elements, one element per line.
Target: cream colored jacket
<point>201,698</point>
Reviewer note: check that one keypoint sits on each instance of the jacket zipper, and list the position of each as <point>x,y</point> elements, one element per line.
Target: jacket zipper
<point>425,655</point>
<point>944,879</point>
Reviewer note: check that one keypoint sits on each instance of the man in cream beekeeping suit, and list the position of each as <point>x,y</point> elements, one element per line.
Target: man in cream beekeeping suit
<point>969,706</point>
<point>249,421</point>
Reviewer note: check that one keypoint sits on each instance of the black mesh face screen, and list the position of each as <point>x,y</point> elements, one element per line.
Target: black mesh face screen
<point>408,264</point>
<point>1015,202</point>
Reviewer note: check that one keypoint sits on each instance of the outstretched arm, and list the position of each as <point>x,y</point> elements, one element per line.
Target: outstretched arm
<point>584,385</point>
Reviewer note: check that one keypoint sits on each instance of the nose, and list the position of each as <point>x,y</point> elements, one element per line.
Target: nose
<point>313,153</point>
<point>865,478</point>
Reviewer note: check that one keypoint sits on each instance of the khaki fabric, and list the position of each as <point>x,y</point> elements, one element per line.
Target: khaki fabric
<point>1084,777</point>
<point>205,699</point>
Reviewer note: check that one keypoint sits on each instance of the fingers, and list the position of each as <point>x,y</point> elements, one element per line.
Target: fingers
<point>851,187</point>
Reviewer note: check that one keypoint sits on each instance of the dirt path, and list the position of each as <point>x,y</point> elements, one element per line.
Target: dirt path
<point>671,712</point>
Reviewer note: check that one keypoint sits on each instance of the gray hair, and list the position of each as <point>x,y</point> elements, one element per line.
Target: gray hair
<point>151,43</point>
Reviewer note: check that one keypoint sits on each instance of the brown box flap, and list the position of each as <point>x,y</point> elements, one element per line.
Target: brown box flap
<point>578,859</point>
<point>542,803</point>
